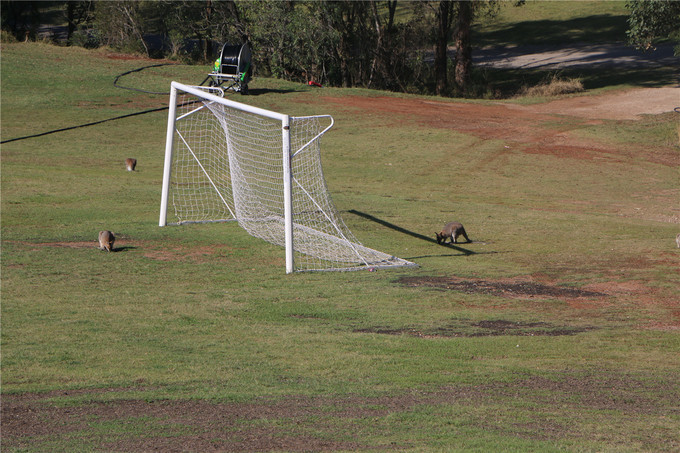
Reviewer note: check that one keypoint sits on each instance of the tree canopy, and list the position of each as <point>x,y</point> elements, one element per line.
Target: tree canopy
<point>652,20</point>
<point>408,46</point>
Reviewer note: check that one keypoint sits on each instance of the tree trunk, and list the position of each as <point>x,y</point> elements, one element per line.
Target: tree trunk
<point>344,54</point>
<point>70,17</point>
<point>377,54</point>
<point>444,13</point>
<point>207,44</point>
<point>463,45</point>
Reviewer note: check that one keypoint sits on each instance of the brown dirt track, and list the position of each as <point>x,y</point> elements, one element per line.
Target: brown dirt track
<point>516,124</point>
<point>207,426</point>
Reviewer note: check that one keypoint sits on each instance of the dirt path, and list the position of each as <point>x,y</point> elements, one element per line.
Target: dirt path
<point>608,55</point>
<point>624,105</point>
<point>517,124</point>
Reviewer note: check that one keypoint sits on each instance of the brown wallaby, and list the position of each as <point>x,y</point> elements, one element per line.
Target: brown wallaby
<point>106,240</point>
<point>452,230</point>
<point>130,164</point>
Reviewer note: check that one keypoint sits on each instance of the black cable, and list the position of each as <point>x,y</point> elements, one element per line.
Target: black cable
<point>84,125</point>
<point>115,81</point>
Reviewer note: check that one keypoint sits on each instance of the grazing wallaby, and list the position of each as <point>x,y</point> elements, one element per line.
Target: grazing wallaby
<point>677,240</point>
<point>451,230</point>
<point>106,240</point>
<point>130,164</point>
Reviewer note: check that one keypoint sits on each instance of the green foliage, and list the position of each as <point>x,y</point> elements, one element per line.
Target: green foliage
<point>653,20</point>
<point>383,45</point>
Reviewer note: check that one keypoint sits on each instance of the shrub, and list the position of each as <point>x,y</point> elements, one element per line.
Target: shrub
<point>555,86</point>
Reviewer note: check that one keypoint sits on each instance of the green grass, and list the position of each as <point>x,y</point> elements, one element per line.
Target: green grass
<point>560,23</point>
<point>206,314</point>
<point>553,22</point>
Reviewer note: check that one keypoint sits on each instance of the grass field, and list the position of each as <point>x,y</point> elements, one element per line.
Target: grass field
<point>556,329</point>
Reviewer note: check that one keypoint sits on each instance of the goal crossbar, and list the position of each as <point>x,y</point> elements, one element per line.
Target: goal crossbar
<point>225,160</point>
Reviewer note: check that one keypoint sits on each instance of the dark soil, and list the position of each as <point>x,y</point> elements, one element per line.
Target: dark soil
<point>99,421</point>
<point>490,328</point>
<point>520,289</point>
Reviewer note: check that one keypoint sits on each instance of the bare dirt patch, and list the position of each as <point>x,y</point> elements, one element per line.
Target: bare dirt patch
<point>520,126</point>
<point>664,303</point>
<point>502,288</point>
<point>624,105</point>
<point>70,245</point>
<point>487,328</point>
<point>119,246</point>
<point>320,423</point>
<point>195,254</point>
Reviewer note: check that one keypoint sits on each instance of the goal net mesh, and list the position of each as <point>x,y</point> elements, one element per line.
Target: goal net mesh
<point>228,165</point>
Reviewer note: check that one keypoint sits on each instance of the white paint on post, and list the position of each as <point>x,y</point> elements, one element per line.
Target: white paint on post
<point>167,168</point>
<point>287,194</point>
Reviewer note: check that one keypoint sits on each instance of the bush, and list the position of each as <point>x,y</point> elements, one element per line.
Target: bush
<point>555,86</point>
<point>7,37</point>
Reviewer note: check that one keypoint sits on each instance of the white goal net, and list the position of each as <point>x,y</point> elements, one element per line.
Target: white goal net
<point>230,161</point>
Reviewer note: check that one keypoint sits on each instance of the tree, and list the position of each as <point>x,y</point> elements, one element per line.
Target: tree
<point>77,14</point>
<point>463,44</point>
<point>651,20</point>
<point>21,18</point>
<point>123,24</point>
<point>381,57</point>
<point>456,16</point>
<point>204,23</point>
<point>351,24</point>
<point>444,18</point>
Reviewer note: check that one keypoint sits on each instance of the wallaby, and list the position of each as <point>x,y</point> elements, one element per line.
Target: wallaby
<point>130,164</point>
<point>677,240</point>
<point>452,230</point>
<point>106,240</point>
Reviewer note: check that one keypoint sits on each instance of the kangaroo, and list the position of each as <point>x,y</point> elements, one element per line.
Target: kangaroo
<point>130,164</point>
<point>677,240</point>
<point>452,230</point>
<point>106,240</point>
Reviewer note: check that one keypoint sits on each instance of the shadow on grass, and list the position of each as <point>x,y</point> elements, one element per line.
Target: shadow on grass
<point>509,82</point>
<point>253,92</point>
<point>422,237</point>
<point>123,249</point>
<point>595,28</point>
<point>261,91</point>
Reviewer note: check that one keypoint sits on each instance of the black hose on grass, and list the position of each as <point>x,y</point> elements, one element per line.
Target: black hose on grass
<point>83,125</point>
<point>115,84</point>
<point>115,81</point>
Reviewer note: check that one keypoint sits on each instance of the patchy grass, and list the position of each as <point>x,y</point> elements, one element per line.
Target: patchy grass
<point>196,335</point>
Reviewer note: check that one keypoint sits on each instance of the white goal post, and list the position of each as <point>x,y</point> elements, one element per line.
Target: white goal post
<point>228,161</point>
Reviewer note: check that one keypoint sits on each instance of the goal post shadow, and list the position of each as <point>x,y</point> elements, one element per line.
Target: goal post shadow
<point>403,230</point>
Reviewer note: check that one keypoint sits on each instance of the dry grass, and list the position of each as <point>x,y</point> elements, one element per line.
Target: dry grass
<point>555,86</point>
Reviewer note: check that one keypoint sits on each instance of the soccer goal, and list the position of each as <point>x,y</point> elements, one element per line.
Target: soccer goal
<point>227,161</point>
